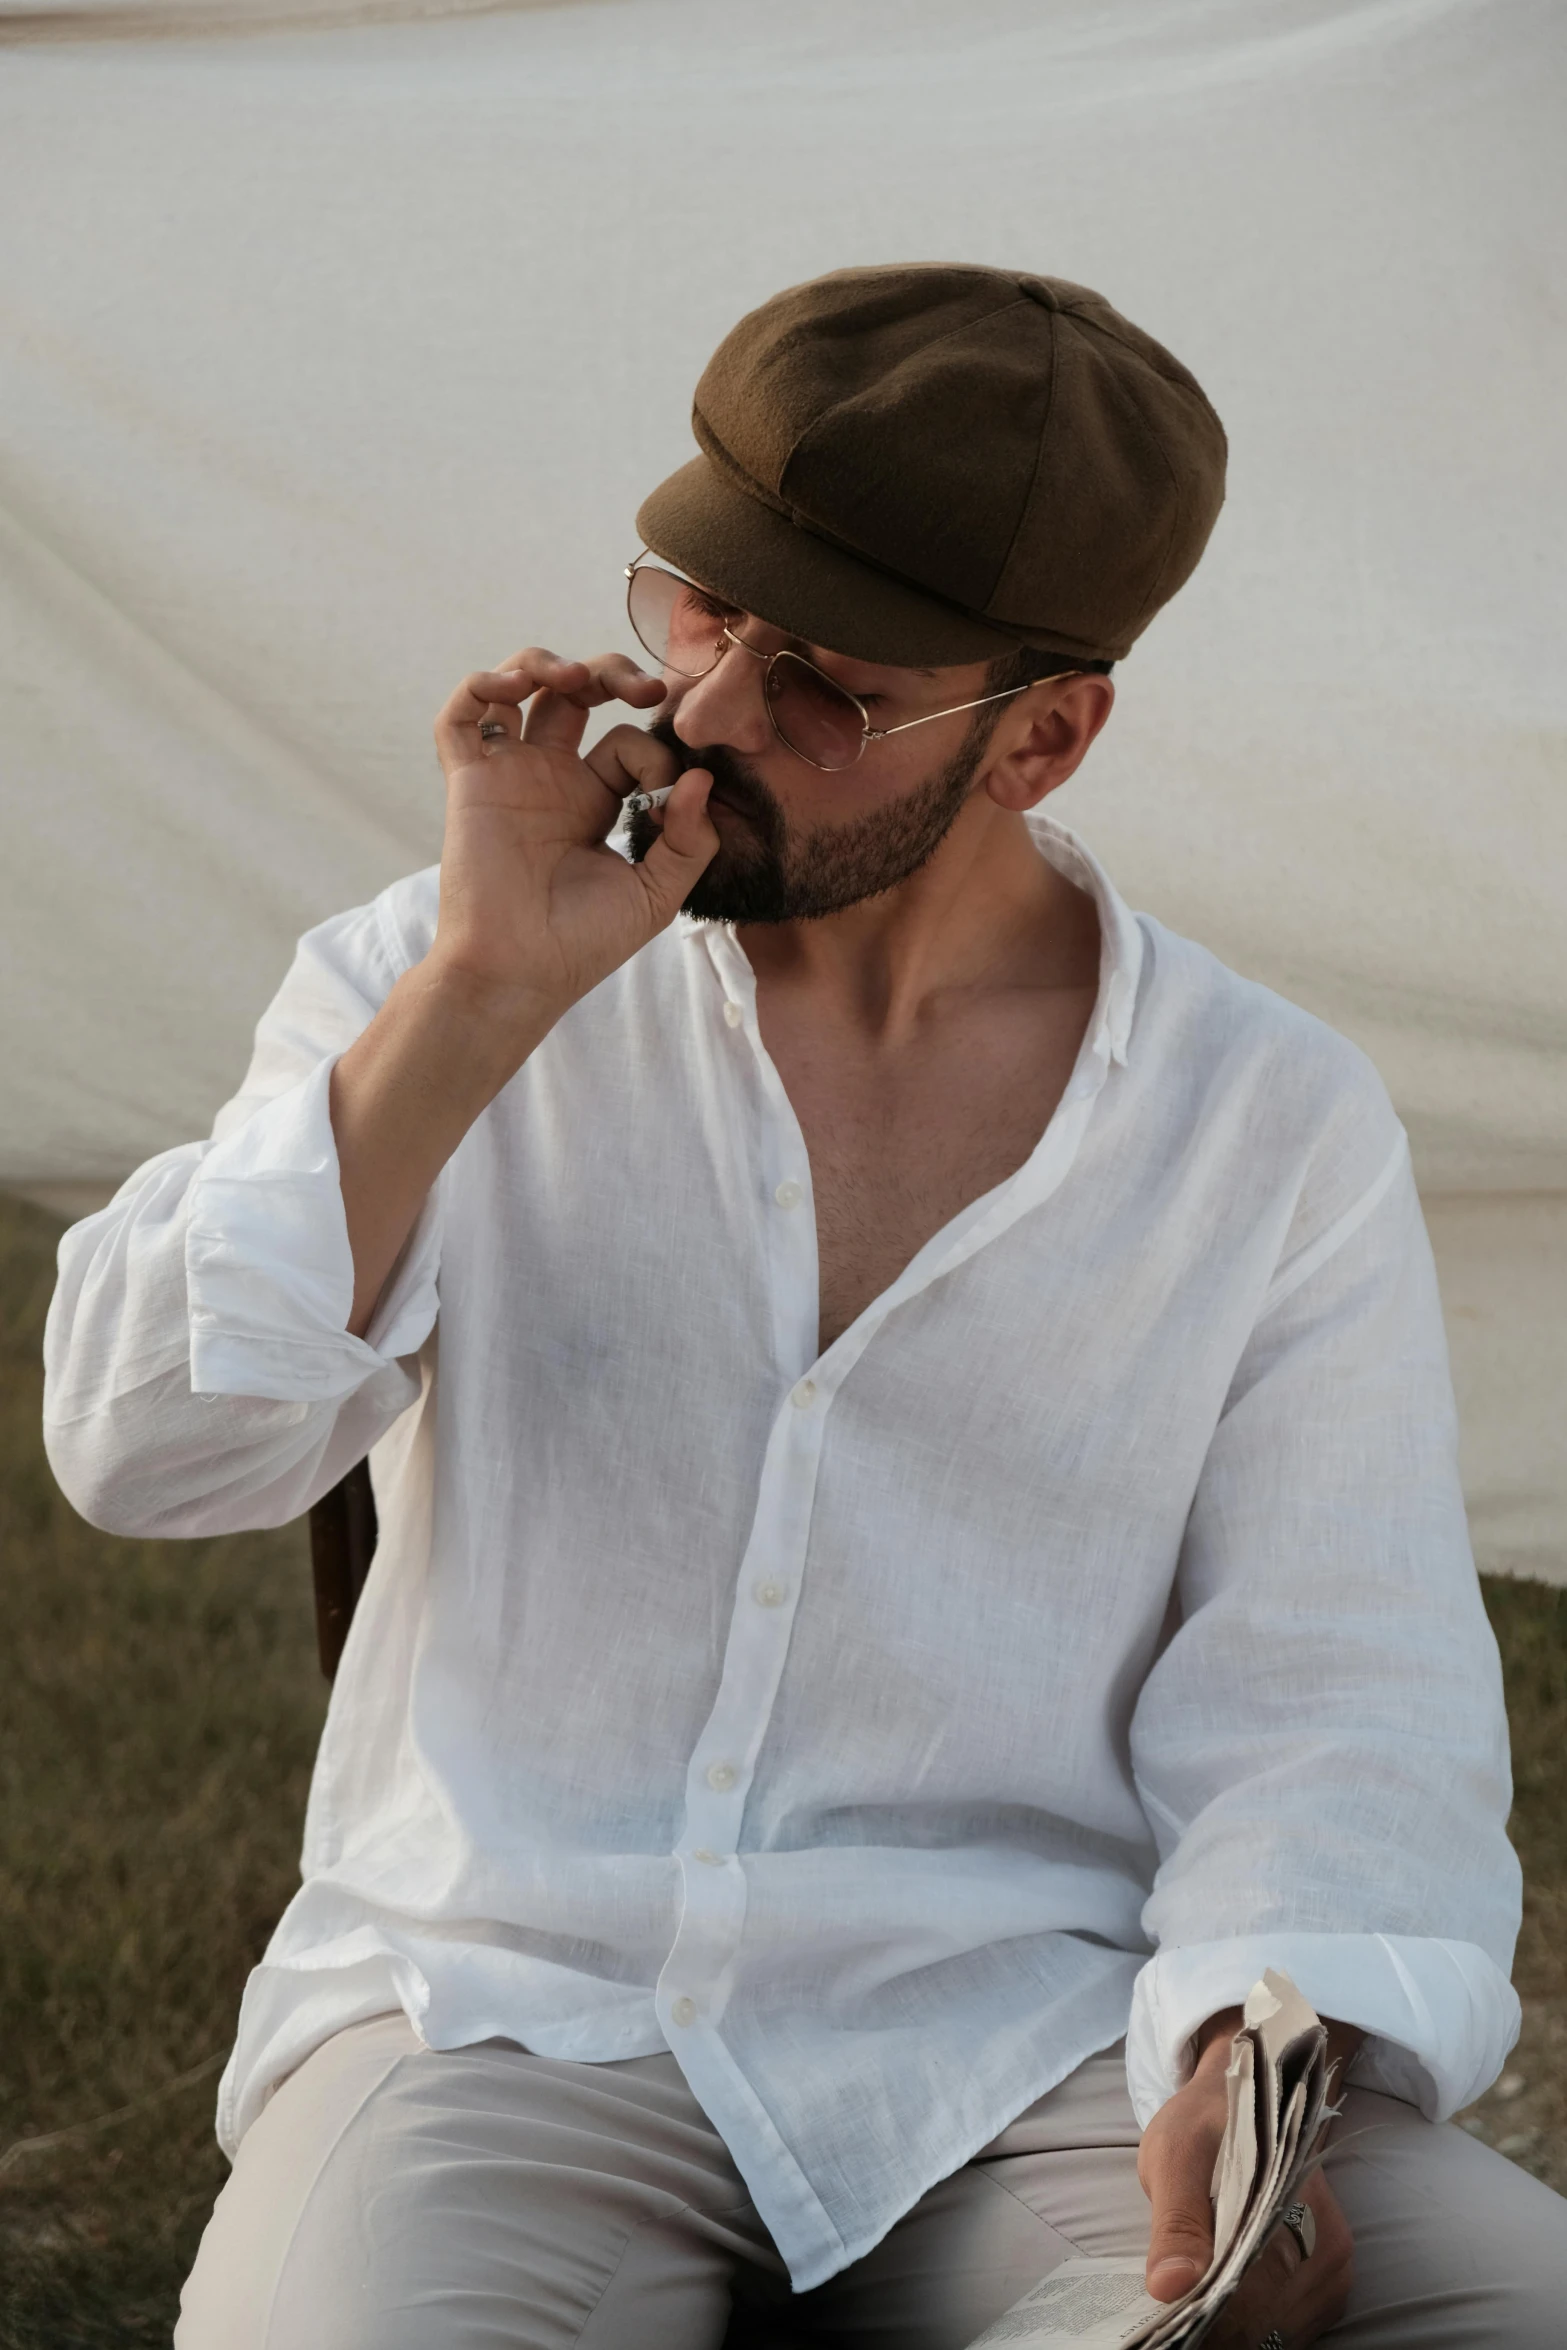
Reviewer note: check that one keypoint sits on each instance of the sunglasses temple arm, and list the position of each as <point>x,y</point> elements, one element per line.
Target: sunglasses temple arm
<point>879,734</point>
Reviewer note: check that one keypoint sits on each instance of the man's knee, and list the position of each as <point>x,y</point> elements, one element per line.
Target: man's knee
<point>394,2197</point>
<point>278,2170</point>
<point>1455,2247</point>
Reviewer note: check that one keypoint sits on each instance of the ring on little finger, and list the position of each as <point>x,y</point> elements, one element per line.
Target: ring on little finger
<point>1301,2221</point>
<point>491,730</point>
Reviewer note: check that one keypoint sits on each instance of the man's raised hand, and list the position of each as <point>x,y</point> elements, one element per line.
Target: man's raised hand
<point>535,909</point>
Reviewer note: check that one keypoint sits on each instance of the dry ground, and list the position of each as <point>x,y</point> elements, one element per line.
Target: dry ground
<point>162,1705</point>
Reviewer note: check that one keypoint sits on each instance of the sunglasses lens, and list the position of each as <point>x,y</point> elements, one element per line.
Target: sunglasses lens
<point>812,715</point>
<point>675,622</point>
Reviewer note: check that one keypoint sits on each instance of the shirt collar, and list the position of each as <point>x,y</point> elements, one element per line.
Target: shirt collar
<point>1120,938</point>
<point>1120,935</point>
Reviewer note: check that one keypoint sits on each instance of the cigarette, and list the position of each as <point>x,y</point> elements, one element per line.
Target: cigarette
<point>638,802</point>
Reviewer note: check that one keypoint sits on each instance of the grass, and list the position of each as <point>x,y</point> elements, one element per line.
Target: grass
<point>162,1707</point>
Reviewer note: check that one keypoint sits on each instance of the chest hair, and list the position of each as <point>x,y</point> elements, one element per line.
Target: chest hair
<point>895,1155</point>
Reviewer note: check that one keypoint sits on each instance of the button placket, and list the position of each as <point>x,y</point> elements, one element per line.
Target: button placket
<point>695,1980</point>
<point>702,1955</point>
<point>775,1557</point>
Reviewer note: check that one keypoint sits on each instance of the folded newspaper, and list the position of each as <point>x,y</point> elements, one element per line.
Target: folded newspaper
<point>1278,2085</point>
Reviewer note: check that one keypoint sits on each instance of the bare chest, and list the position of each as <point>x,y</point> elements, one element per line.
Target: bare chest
<point>897,1149</point>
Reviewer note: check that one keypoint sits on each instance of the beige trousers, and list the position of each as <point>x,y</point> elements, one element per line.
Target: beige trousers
<point>393,2197</point>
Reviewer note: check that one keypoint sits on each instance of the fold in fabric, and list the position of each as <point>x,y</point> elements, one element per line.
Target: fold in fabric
<point>1440,2016</point>
<point>270,1270</point>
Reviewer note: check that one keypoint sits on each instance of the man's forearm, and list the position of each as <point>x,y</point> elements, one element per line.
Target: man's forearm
<point>406,1092</point>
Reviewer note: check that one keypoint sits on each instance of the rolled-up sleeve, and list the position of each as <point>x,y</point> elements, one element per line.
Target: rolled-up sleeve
<point>269,1272</point>
<point>199,1372</point>
<point>1321,1750</point>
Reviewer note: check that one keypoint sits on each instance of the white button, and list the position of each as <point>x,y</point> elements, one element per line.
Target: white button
<point>733,1013</point>
<point>721,1777</point>
<point>770,1594</point>
<point>683,2010</point>
<point>712,1860</point>
<point>803,1396</point>
<point>789,1193</point>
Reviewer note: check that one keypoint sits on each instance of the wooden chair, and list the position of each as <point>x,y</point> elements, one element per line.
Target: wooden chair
<point>343,1532</point>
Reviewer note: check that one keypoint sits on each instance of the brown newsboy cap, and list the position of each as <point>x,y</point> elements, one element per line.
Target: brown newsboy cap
<point>931,464</point>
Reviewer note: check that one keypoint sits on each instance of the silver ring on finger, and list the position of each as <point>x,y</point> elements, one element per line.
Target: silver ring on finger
<point>1301,2221</point>
<point>491,730</point>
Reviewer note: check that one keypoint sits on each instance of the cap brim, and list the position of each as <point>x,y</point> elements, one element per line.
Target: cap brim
<point>755,557</point>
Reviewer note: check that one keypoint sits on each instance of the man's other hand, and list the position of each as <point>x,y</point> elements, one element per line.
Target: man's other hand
<point>1282,2291</point>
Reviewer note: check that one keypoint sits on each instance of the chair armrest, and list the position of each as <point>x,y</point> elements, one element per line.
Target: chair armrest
<point>343,1531</point>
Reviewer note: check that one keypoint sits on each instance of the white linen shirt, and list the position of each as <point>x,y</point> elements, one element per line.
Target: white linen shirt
<point>885,1729</point>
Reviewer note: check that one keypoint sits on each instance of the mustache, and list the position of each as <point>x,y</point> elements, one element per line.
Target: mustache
<point>733,779</point>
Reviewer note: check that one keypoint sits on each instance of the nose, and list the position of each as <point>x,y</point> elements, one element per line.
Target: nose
<point>726,706</point>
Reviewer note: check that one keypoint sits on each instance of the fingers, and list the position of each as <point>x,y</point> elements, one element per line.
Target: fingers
<point>1301,2298</point>
<point>566,690</point>
<point>685,847</point>
<point>630,759</point>
<point>1179,2248</point>
<point>557,718</point>
<point>1175,2164</point>
<point>490,695</point>
<point>1262,2301</point>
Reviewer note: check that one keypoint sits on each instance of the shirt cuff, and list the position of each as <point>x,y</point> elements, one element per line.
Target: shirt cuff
<point>1440,2016</point>
<point>269,1273</point>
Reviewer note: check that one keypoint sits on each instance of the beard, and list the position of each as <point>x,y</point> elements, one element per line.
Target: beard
<point>768,870</point>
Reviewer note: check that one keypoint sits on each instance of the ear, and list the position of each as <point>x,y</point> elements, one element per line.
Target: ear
<point>1044,738</point>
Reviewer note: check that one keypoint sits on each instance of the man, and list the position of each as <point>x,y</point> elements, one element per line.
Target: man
<point>931,1543</point>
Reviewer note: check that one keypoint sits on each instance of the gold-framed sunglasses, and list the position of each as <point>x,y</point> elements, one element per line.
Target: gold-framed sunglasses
<point>688,631</point>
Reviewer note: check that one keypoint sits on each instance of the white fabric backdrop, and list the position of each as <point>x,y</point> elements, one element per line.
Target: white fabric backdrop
<point>335,361</point>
